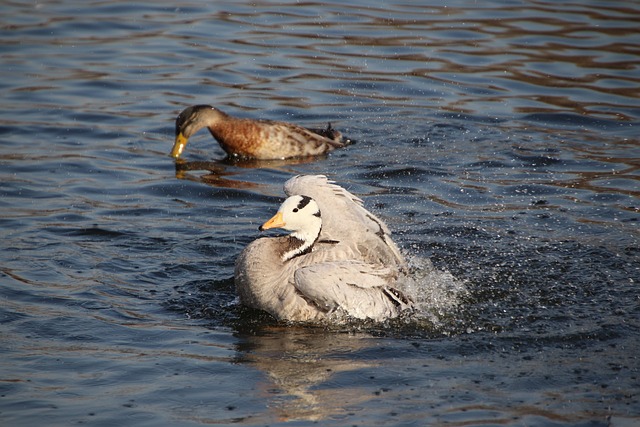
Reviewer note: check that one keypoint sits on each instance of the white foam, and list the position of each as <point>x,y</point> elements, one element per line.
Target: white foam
<point>437,293</point>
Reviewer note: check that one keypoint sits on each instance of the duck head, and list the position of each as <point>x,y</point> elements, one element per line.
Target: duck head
<point>191,120</point>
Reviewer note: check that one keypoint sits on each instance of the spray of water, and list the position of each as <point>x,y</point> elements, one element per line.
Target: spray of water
<point>437,294</point>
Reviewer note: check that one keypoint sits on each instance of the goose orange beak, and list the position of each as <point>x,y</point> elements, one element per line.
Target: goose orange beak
<point>276,222</point>
<point>178,145</point>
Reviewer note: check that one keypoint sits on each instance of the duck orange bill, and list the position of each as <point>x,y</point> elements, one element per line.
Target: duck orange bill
<point>178,145</point>
<point>276,222</point>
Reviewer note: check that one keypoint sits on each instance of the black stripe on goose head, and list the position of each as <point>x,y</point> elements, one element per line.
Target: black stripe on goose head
<point>304,201</point>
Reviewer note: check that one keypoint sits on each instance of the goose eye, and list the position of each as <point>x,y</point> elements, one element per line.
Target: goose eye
<point>295,209</point>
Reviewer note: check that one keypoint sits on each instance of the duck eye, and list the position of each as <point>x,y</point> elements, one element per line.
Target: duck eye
<point>295,209</point>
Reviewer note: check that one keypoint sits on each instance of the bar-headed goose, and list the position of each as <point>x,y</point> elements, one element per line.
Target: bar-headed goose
<point>339,260</point>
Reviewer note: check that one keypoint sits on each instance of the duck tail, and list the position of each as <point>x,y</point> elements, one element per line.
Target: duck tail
<point>333,135</point>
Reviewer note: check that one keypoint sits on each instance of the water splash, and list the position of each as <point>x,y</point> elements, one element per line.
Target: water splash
<point>437,293</point>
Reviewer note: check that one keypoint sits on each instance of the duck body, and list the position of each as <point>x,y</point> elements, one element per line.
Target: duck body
<point>323,273</point>
<point>256,139</point>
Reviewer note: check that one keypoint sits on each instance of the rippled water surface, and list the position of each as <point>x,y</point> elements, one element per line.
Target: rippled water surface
<point>499,140</point>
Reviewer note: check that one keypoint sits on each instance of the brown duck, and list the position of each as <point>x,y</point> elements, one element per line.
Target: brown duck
<point>257,139</point>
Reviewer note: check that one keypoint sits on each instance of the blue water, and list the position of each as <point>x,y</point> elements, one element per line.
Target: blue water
<point>498,140</point>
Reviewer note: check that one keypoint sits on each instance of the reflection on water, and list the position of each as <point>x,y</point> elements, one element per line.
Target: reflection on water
<point>487,59</point>
<point>498,140</point>
<point>463,58</point>
<point>220,173</point>
<point>312,375</point>
<point>301,366</point>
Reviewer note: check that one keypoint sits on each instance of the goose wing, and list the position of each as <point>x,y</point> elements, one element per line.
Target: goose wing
<point>361,290</point>
<point>344,218</point>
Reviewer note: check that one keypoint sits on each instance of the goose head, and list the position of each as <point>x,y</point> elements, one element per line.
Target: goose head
<point>300,215</point>
<point>191,120</point>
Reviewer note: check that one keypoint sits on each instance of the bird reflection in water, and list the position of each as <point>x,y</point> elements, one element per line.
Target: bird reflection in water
<point>310,371</point>
<point>218,173</point>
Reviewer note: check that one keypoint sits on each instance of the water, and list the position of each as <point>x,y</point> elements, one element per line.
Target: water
<point>499,140</point>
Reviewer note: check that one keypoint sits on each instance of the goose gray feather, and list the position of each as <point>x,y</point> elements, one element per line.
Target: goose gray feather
<point>338,262</point>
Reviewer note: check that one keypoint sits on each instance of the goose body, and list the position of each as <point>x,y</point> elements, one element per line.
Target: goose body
<point>339,259</point>
<point>256,139</point>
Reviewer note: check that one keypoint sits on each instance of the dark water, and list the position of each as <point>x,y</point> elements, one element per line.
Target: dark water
<point>497,139</point>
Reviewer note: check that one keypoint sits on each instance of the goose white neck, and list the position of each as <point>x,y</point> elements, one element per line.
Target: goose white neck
<point>300,243</point>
